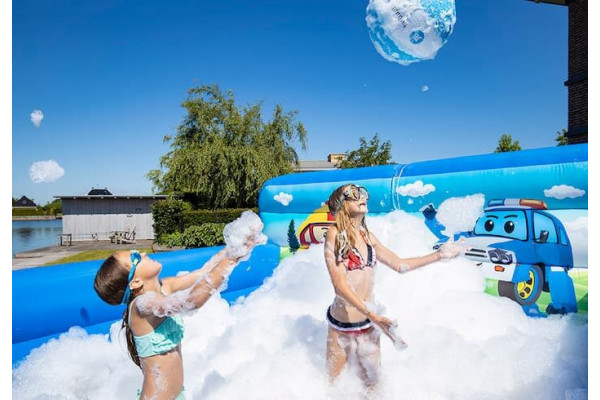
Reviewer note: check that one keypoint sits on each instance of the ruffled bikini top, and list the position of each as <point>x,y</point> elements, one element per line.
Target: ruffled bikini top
<point>165,337</point>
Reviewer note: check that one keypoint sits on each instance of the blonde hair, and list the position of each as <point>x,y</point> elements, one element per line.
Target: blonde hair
<point>345,239</point>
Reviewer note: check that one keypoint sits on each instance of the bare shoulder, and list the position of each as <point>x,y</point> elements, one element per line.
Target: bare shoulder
<point>373,239</point>
<point>331,232</point>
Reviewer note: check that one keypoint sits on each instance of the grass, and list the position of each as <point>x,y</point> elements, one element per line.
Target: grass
<point>90,255</point>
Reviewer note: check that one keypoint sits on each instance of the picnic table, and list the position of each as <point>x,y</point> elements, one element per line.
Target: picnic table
<point>64,238</point>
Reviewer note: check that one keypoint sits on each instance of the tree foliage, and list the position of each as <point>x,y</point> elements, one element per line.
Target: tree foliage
<point>561,137</point>
<point>292,239</point>
<point>506,143</point>
<point>369,154</point>
<point>223,153</point>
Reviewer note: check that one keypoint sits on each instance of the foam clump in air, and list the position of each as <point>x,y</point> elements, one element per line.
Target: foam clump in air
<point>241,233</point>
<point>459,214</point>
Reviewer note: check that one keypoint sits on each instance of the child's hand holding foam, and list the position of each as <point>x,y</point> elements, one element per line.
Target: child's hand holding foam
<point>451,249</point>
<point>242,235</point>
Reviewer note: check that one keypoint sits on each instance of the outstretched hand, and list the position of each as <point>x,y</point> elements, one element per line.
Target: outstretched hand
<point>242,235</point>
<point>452,249</point>
<point>383,323</point>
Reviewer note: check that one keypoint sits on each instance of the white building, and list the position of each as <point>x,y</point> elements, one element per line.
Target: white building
<point>99,214</point>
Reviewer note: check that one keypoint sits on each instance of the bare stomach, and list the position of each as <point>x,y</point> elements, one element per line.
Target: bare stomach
<point>361,283</point>
<point>163,375</point>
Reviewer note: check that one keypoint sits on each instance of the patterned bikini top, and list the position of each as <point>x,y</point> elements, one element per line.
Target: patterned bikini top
<point>355,260</point>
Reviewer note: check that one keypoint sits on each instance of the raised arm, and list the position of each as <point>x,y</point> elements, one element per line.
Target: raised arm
<point>182,282</point>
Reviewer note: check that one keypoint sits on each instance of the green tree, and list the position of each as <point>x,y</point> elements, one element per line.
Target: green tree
<point>368,154</point>
<point>292,239</point>
<point>561,137</point>
<point>506,143</point>
<point>53,207</point>
<point>223,153</point>
<point>14,201</point>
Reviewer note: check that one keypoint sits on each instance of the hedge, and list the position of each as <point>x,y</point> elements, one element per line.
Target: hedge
<point>23,212</point>
<point>199,217</point>
<point>168,216</point>
<point>205,235</point>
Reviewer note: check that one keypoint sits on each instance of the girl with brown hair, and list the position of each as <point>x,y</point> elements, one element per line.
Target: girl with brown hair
<point>351,254</point>
<point>153,326</point>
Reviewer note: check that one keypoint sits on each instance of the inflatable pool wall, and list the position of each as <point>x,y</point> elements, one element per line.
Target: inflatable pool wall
<point>64,294</point>
<point>545,270</point>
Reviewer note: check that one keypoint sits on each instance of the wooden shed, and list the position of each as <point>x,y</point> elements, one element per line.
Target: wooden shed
<point>98,216</point>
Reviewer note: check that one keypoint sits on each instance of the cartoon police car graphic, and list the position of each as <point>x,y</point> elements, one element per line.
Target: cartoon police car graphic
<point>522,246</point>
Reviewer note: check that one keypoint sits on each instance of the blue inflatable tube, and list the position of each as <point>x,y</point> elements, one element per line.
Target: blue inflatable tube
<point>530,240</point>
<point>409,187</point>
<point>65,295</point>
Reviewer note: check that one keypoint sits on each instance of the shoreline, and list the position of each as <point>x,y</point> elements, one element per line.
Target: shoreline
<point>40,256</point>
<point>35,217</point>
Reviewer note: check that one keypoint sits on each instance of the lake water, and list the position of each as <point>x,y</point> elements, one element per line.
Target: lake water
<point>29,235</point>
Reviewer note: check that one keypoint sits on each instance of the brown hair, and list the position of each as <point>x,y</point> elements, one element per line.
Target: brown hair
<point>110,284</point>
<point>345,239</point>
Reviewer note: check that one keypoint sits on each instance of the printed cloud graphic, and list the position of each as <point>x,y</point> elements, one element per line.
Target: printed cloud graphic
<point>415,189</point>
<point>36,117</point>
<point>562,191</point>
<point>45,171</point>
<point>283,198</point>
<point>424,88</point>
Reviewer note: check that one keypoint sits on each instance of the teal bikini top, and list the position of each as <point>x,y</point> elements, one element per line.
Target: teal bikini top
<point>166,336</point>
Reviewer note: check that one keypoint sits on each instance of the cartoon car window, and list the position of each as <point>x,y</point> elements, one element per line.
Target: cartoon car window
<point>563,238</point>
<point>510,224</point>
<point>543,223</point>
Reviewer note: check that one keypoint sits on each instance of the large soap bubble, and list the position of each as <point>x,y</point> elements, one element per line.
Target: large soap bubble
<point>407,31</point>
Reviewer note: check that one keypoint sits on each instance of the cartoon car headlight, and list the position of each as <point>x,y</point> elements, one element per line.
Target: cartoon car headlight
<point>499,256</point>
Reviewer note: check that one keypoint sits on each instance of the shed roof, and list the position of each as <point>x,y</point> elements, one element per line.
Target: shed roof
<point>111,197</point>
<point>99,192</point>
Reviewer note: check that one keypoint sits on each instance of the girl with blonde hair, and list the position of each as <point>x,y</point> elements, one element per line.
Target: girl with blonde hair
<point>351,254</point>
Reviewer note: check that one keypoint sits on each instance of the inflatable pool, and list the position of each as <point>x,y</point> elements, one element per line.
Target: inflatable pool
<point>541,264</point>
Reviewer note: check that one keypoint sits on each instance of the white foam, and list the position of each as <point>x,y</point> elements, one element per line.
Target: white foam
<point>237,234</point>
<point>463,343</point>
<point>459,214</point>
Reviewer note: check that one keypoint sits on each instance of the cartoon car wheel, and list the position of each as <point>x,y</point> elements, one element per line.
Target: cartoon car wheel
<point>527,292</point>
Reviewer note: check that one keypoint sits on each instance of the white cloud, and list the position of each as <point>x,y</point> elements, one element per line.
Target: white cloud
<point>415,189</point>
<point>562,191</point>
<point>45,171</point>
<point>36,117</point>
<point>424,88</point>
<point>283,198</point>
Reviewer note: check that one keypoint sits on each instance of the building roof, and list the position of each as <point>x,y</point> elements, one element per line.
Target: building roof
<point>99,192</point>
<point>112,197</point>
<point>25,202</point>
<point>318,165</point>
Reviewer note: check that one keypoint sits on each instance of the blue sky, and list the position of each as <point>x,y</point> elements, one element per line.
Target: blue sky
<point>110,76</point>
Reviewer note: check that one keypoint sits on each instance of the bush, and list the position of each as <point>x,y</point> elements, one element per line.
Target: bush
<point>199,217</point>
<point>24,212</point>
<point>168,216</point>
<point>205,235</point>
<point>171,239</point>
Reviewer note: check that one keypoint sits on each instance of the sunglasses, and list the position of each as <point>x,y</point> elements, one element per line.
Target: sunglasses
<point>136,257</point>
<point>355,193</point>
